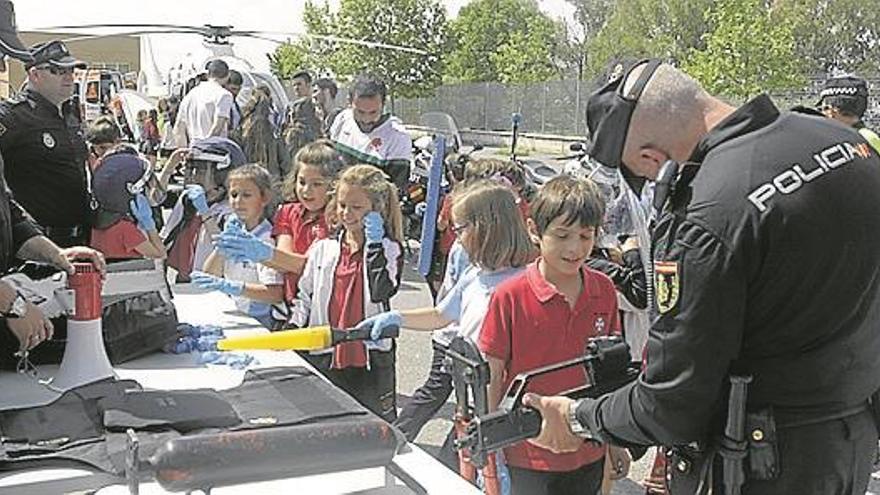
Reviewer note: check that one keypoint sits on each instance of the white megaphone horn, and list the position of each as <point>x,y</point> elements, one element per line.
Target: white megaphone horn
<point>85,358</point>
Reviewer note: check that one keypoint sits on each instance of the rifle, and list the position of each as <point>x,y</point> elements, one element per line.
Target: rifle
<point>606,362</point>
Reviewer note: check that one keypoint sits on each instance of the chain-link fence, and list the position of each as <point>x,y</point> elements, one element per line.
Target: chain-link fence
<point>558,107</point>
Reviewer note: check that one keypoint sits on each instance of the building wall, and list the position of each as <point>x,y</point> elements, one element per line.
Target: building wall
<point>118,52</point>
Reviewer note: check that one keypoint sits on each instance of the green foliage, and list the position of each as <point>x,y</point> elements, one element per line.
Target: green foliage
<point>748,51</point>
<point>419,24</point>
<point>834,35</point>
<point>667,29</point>
<point>503,40</point>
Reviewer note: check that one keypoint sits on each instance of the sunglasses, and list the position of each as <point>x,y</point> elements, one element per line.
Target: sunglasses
<point>57,71</point>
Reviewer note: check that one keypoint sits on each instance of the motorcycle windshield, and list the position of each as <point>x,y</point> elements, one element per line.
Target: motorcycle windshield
<point>442,123</point>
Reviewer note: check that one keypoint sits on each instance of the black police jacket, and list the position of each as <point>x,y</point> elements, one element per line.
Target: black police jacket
<point>767,262</point>
<point>16,226</point>
<point>45,157</point>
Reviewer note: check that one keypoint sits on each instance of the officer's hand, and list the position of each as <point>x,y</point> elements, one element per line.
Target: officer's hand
<point>556,435</point>
<point>374,227</point>
<point>140,208</point>
<point>82,253</point>
<point>178,156</point>
<point>196,195</point>
<point>31,329</point>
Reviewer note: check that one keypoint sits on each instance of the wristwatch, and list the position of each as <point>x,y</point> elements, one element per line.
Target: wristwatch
<point>17,309</point>
<point>576,427</point>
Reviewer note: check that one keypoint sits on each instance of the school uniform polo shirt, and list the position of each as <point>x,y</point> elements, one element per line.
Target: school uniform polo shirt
<point>529,324</point>
<point>292,219</point>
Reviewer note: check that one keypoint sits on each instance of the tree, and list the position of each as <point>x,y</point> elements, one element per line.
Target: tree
<point>666,29</point>
<point>503,40</point>
<point>834,35</point>
<point>591,17</point>
<point>747,51</point>
<point>419,24</point>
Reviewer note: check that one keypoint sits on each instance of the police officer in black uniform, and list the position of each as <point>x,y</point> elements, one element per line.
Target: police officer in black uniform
<point>43,145</point>
<point>766,265</point>
<point>22,325</point>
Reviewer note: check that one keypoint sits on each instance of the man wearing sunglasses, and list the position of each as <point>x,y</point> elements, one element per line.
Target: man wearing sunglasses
<point>22,325</point>
<point>766,267</point>
<point>43,145</point>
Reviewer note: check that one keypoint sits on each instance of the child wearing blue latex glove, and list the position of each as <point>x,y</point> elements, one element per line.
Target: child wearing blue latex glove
<point>197,197</point>
<point>299,222</point>
<point>254,286</point>
<point>124,226</point>
<point>351,276</point>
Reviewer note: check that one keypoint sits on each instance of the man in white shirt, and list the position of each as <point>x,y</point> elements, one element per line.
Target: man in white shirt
<point>365,134</point>
<point>206,110</point>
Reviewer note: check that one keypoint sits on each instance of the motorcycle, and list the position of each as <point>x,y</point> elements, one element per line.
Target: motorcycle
<point>413,204</point>
<point>535,172</point>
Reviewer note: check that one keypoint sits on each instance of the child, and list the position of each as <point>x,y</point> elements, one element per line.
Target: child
<point>546,315</point>
<point>352,276</point>
<point>201,210</point>
<point>297,224</point>
<point>255,287</point>
<point>494,236</point>
<point>124,226</point>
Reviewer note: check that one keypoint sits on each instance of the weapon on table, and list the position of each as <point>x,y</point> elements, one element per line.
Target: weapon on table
<point>202,462</point>
<point>607,365</point>
<point>302,339</point>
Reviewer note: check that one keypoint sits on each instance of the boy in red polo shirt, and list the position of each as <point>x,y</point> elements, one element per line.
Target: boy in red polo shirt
<point>547,315</point>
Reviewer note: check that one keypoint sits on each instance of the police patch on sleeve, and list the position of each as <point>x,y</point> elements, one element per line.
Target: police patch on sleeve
<point>666,285</point>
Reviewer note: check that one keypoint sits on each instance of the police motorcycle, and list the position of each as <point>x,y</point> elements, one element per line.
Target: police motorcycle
<point>414,201</point>
<point>535,172</point>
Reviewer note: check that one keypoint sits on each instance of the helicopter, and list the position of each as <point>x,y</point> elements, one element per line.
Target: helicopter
<point>157,79</point>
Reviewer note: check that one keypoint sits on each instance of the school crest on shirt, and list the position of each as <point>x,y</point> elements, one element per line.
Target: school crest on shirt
<point>599,326</point>
<point>667,285</point>
<point>376,143</point>
<point>48,140</point>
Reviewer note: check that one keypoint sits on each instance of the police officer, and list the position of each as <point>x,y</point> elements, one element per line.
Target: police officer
<point>22,325</point>
<point>845,99</point>
<point>44,148</point>
<point>767,264</point>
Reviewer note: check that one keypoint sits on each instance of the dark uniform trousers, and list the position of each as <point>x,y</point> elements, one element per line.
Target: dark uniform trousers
<point>829,458</point>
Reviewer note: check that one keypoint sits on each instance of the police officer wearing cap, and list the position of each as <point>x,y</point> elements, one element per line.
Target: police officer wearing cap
<point>22,325</point>
<point>845,99</point>
<point>43,145</point>
<point>766,267</point>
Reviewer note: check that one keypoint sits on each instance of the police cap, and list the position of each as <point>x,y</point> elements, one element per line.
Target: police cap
<point>9,43</point>
<point>609,110</point>
<point>55,53</point>
<point>848,94</point>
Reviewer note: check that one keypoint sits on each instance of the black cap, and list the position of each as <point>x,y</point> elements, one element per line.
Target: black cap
<point>609,110</point>
<point>9,43</point>
<point>55,53</point>
<point>846,93</point>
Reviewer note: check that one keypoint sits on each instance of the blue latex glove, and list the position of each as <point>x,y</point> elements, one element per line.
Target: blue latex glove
<point>378,322</point>
<point>233,224</point>
<point>204,280</point>
<point>140,208</point>
<point>233,360</point>
<point>196,195</point>
<point>374,227</point>
<point>243,246</point>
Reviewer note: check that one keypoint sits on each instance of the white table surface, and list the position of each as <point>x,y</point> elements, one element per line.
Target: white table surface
<point>175,372</point>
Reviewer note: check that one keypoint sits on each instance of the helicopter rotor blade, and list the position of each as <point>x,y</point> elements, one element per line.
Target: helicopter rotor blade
<point>266,35</point>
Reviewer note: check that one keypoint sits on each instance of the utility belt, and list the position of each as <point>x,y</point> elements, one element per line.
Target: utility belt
<point>723,464</point>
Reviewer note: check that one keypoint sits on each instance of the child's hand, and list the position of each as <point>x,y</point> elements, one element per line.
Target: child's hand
<point>379,322</point>
<point>196,195</point>
<point>233,224</point>
<point>204,280</point>
<point>374,227</point>
<point>140,208</point>
<point>243,246</point>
